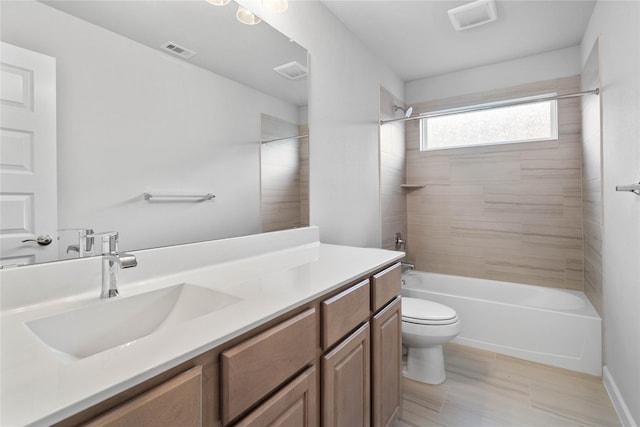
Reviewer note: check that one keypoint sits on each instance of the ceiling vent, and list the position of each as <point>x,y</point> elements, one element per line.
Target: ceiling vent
<point>473,14</point>
<point>292,70</point>
<point>176,49</point>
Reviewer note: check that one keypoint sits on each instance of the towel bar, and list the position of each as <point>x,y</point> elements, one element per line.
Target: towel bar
<point>634,188</point>
<point>178,197</point>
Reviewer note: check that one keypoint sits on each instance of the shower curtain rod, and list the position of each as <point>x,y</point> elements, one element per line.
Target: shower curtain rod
<point>266,141</point>
<point>497,104</point>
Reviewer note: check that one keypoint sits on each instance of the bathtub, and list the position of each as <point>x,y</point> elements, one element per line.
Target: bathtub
<point>547,325</point>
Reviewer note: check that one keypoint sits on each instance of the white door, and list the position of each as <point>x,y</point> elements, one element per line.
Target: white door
<point>28,192</point>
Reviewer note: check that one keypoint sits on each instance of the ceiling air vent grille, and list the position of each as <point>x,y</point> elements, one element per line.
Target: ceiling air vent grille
<point>176,49</point>
<point>292,70</point>
<point>473,14</point>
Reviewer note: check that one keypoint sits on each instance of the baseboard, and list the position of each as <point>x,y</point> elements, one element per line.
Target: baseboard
<point>616,398</point>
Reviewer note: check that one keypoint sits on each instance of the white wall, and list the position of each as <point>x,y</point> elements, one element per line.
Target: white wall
<point>132,119</point>
<point>616,24</point>
<point>343,122</point>
<point>530,69</point>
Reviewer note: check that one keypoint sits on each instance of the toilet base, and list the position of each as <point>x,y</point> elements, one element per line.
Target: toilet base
<point>426,365</point>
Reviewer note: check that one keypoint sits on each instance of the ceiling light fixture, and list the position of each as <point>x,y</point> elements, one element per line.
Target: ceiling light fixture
<point>276,6</point>
<point>247,17</point>
<point>219,2</point>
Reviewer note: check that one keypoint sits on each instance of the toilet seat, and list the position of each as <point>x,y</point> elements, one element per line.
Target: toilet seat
<point>423,312</point>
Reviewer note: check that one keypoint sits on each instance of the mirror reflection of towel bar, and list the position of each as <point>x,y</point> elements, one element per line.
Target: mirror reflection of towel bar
<point>634,188</point>
<point>178,197</point>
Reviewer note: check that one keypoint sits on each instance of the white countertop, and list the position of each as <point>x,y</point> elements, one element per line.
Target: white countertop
<point>40,387</point>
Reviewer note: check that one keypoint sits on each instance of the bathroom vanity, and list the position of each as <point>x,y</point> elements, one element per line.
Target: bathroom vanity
<point>308,334</point>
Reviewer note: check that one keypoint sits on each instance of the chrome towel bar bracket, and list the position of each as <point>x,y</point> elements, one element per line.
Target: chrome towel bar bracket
<point>634,188</point>
<point>178,197</point>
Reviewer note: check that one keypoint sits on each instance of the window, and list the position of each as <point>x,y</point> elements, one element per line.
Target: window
<point>459,127</point>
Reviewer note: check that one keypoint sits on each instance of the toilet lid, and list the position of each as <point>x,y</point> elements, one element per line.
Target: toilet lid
<point>415,310</point>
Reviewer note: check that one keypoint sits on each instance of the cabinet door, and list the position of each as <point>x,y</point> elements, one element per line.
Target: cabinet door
<point>293,406</point>
<point>386,355</point>
<point>346,392</point>
<point>177,402</point>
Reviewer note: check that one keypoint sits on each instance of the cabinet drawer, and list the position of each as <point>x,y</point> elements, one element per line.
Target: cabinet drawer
<point>257,366</point>
<point>294,405</point>
<point>177,402</point>
<point>342,313</point>
<point>385,286</point>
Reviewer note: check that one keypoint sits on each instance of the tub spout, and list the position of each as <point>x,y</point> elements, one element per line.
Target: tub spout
<point>407,266</point>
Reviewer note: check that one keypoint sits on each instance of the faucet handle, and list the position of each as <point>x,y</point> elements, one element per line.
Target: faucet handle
<point>109,241</point>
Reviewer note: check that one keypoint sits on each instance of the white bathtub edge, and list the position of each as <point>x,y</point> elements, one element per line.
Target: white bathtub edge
<point>574,344</point>
<point>616,398</point>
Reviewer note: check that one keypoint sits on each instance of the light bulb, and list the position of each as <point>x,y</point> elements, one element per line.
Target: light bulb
<point>247,17</point>
<point>275,5</point>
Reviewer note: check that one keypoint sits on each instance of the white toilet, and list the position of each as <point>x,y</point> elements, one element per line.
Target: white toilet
<point>426,325</point>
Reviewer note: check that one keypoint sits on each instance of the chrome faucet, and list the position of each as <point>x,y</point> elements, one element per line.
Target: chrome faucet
<point>405,266</point>
<point>111,257</point>
<point>400,242</point>
<point>84,235</point>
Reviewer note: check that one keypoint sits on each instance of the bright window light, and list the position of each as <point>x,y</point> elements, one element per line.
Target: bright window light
<point>536,121</point>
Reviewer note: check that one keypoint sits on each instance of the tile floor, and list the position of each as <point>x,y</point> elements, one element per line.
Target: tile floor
<point>488,389</point>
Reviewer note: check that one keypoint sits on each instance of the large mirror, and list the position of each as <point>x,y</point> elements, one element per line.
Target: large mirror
<point>162,148</point>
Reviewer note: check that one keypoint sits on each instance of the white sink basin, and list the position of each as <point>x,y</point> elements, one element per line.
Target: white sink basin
<point>116,322</point>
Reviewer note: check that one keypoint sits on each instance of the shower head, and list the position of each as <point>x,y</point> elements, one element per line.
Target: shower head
<point>407,111</point>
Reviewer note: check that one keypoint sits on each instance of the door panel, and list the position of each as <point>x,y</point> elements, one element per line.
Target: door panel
<point>28,191</point>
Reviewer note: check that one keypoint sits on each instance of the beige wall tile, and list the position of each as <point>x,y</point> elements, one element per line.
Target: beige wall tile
<point>281,169</point>
<point>509,212</point>
<point>393,153</point>
<point>592,182</point>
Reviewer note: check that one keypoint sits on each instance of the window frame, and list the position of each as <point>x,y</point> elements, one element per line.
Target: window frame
<point>514,102</point>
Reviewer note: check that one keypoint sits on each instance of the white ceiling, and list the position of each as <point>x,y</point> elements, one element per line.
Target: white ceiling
<point>416,39</point>
<point>243,53</point>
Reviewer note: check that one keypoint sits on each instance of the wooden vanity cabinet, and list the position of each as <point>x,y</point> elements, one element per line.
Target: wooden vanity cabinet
<point>295,405</point>
<point>346,392</point>
<point>256,367</point>
<point>385,286</point>
<point>386,356</point>
<point>177,402</point>
<point>343,312</point>
<point>177,396</point>
<point>334,361</point>
<point>361,374</point>
<point>386,345</point>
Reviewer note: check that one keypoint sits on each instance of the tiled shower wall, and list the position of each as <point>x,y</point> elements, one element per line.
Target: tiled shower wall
<point>284,175</point>
<point>592,182</point>
<point>393,202</point>
<point>303,158</point>
<point>509,212</point>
